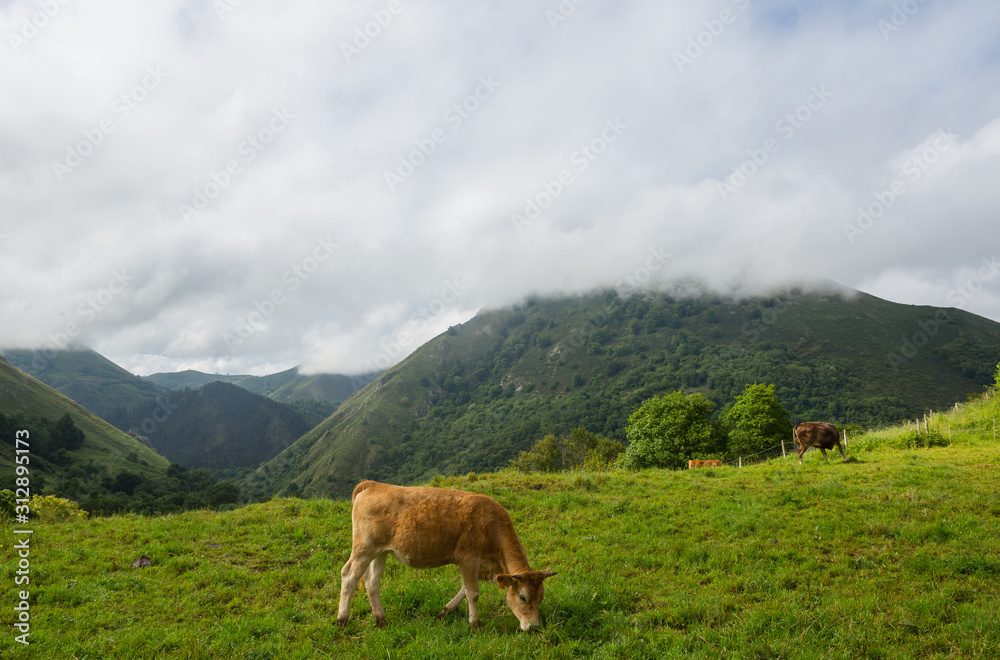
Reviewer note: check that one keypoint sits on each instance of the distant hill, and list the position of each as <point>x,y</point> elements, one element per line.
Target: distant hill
<point>90,379</point>
<point>314,396</point>
<point>198,429</point>
<point>190,379</point>
<point>106,448</point>
<point>282,386</point>
<point>475,396</point>
<point>221,425</point>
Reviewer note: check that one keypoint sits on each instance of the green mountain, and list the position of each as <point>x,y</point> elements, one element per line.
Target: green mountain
<point>190,379</point>
<point>314,396</point>
<point>211,427</point>
<point>26,402</point>
<point>220,425</point>
<point>478,394</point>
<point>90,379</point>
<point>286,385</point>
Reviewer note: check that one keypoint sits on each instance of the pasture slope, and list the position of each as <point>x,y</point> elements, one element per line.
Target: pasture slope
<point>893,554</point>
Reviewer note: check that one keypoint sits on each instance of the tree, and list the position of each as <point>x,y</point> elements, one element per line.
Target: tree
<point>126,482</point>
<point>582,449</point>
<point>668,430</point>
<point>756,421</point>
<point>545,456</point>
<point>65,434</point>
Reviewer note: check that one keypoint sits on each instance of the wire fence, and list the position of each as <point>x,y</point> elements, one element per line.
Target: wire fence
<point>945,429</point>
<point>777,452</point>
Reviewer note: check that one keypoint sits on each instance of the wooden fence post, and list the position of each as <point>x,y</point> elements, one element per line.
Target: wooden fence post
<point>783,449</point>
<point>741,461</point>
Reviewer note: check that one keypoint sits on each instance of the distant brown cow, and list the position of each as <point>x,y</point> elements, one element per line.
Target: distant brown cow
<point>700,464</point>
<point>431,527</point>
<point>817,434</point>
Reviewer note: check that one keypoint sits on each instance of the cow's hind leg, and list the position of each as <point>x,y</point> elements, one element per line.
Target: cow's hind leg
<point>841,448</point>
<point>350,575</point>
<point>824,455</point>
<point>373,585</point>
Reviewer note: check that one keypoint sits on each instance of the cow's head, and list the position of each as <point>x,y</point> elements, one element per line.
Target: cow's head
<point>524,594</point>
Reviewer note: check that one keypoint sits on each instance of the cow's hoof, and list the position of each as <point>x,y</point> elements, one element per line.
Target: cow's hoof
<point>380,621</point>
<point>342,621</point>
<point>442,614</point>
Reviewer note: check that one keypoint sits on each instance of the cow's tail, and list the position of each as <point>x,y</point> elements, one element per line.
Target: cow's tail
<point>364,485</point>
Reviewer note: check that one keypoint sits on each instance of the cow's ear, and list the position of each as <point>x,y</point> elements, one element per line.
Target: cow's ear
<point>504,581</point>
<point>547,573</point>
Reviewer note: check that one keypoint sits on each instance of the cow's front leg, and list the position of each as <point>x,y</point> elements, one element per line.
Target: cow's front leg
<point>453,603</point>
<point>470,585</point>
<point>824,455</point>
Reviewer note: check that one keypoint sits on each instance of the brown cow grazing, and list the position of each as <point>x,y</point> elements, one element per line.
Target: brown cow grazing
<point>431,527</point>
<point>817,434</point>
<point>700,464</point>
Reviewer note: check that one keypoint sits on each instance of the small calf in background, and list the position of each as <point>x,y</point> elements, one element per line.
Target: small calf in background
<point>700,464</point>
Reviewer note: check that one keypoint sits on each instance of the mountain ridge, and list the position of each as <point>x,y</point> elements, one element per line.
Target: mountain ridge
<point>476,395</point>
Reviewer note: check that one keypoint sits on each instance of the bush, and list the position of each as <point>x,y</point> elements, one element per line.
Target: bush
<point>915,440</point>
<point>6,504</point>
<point>49,508</point>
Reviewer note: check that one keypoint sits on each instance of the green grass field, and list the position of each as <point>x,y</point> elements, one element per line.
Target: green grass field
<point>893,554</point>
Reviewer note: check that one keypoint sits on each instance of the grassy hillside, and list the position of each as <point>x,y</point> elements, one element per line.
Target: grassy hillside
<point>23,396</point>
<point>474,397</point>
<point>90,379</point>
<point>890,555</point>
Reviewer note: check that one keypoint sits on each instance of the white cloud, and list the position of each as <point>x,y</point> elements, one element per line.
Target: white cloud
<point>151,106</point>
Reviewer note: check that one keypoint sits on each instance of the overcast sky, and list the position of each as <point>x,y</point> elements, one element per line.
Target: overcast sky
<point>240,186</point>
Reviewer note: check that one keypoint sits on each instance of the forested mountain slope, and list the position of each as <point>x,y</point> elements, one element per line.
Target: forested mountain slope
<point>475,396</point>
